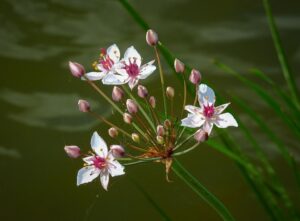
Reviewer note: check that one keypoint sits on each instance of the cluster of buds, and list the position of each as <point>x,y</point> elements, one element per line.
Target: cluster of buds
<point>152,133</point>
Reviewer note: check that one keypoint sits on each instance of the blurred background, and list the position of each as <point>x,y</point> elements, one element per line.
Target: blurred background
<point>39,115</point>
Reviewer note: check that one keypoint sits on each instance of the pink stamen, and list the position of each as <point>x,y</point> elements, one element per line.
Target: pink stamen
<point>209,111</point>
<point>99,162</point>
<point>132,69</point>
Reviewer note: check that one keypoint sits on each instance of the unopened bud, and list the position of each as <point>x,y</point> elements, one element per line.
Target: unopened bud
<point>76,69</point>
<point>127,118</point>
<point>195,76</point>
<point>117,151</point>
<point>178,66</point>
<point>142,91</point>
<point>131,106</point>
<point>201,136</point>
<point>72,151</point>
<point>170,92</point>
<point>84,106</point>
<point>160,139</point>
<point>151,37</point>
<point>117,94</point>
<point>160,131</point>
<point>167,123</point>
<point>152,101</point>
<point>113,132</point>
<point>135,137</point>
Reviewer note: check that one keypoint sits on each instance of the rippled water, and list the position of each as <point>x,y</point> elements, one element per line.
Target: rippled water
<point>39,115</point>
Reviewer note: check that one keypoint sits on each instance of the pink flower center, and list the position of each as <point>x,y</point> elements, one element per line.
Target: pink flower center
<point>105,60</point>
<point>209,111</point>
<point>99,162</point>
<point>132,69</point>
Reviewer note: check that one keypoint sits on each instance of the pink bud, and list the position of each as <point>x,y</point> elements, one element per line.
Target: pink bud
<point>142,91</point>
<point>170,92</point>
<point>178,66</point>
<point>113,132</point>
<point>201,136</point>
<point>72,151</point>
<point>195,76</point>
<point>151,37</point>
<point>84,106</point>
<point>127,118</point>
<point>117,94</point>
<point>117,151</point>
<point>131,106</point>
<point>160,131</point>
<point>152,101</point>
<point>76,69</point>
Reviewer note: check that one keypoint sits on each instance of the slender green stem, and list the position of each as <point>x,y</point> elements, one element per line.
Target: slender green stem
<point>200,190</point>
<point>186,150</point>
<point>183,142</point>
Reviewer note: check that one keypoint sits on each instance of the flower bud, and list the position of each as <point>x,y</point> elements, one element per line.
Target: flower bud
<point>135,137</point>
<point>151,37</point>
<point>72,151</point>
<point>131,106</point>
<point>160,131</point>
<point>127,118</point>
<point>152,101</point>
<point>167,123</point>
<point>178,66</point>
<point>84,106</point>
<point>117,151</point>
<point>170,92</point>
<point>160,139</point>
<point>195,76</point>
<point>201,136</point>
<point>117,94</point>
<point>113,132</point>
<point>142,91</point>
<point>76,69</point>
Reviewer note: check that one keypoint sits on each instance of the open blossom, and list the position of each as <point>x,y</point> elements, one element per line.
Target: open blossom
<point>129,70</point>
<point>105,65</point>
<point>102,164</point>
<point>207,114</point>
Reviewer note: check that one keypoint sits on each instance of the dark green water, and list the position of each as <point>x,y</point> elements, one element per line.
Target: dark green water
<point>39,114</point>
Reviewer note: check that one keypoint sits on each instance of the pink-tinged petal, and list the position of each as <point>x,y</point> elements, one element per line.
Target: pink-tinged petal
<point>104,178</point>
<point>115,168</point>
<point>94,76</point>
<point>192,109</point>
<point>225,120</point>
<point>207,127</point>
<point>114,79</point>
<point>98,145</point>
<point>146,70</point>
<point>206,95</point>
<point>88,160</point>
<point>132,56</point>
<point>113,53</point>
<point>133,82</point>
<point>87,174</point>
<point>193,121</point>
<point>221,108</point>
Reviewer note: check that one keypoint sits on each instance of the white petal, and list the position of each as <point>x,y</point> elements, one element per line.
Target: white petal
<point>193,121</point>
<point>221,108</point>
<point>114,53</point>
<point>115,168</point>
<point>192,109</point>
<point>104,178</point>
<point>206,95</point>
<point>133,82</point>
<point>132,55</point>
<point>98,145</point>
<point>146,70</point>
<point>208,126</point>
<point>88,160</point>
<point>225,120</point>
<point>87,174</point>
<point>94,76</point>
<point>114,79</point>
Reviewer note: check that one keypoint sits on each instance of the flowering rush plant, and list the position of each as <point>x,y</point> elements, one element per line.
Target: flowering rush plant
<point>155,134</point>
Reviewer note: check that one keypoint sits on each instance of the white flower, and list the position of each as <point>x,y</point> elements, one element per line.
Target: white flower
<point>108,59</point>
<point>102,163</point>
<point>207,114</point>
<point>129,70</point>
